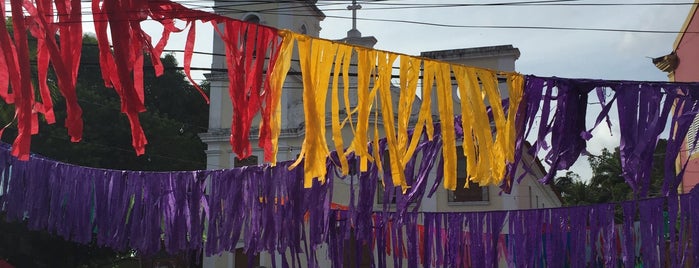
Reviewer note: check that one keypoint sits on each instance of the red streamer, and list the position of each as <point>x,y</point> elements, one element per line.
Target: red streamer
<point>251,49</point>
<point>246,49</point>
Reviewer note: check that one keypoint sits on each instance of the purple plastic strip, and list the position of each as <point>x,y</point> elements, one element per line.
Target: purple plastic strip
<point>412,240</point>
<point>559,224</point>
<point>578,234</point>
<point>494,222</point>
<point>651,224</point>
<point>381,236</point>
<point>594,227</point>
<point>687,103</point>
<point>455,237</point>
<point>642,115</point>
<point>271,209</point>
<point>694,219</point>
<point>609,235</point>
<point>628,250</point>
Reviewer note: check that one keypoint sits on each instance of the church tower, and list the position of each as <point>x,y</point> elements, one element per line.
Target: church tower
<point>298,16</point>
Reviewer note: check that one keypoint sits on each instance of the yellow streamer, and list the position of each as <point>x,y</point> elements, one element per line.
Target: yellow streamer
<point>316,58</point>
<point>425,116</point>
<point>281,68</point>
<point>409,78</point>
<point>515,83</point>
<point>385,72</point>
<point>446,117</point>
<point>486,154</point>
<point>490,85</point>
<point>478,149</point>
<point>467,118</point>
<point>344,54</point>
<point>366,61</point>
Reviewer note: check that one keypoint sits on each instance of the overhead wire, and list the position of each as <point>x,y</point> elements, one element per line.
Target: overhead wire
<point>499,4</point>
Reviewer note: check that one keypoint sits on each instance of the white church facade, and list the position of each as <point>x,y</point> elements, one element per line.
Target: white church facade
<point>305,17</point>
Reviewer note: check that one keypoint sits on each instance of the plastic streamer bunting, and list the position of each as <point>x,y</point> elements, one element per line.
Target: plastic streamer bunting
<point>142,210</point>
<point>258,58</point>
<point>270,210</point>
<point>643,111</point>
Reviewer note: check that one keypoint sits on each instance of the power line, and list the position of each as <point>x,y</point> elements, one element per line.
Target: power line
<point>385,5</point>
<point>424,23</point>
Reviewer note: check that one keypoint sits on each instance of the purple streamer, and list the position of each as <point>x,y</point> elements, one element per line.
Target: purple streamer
<point>694,223</point>
<point>605,215</point>
<point>494,222</point>
<point>567,124</point>
<point>642,117</point>
<point>455,238</point>
<point>268,208</point>
<point>578,236</point>
<point>687,99</point>
<point>651,224</point>
<point>628,250</point>
<point>643,108</point>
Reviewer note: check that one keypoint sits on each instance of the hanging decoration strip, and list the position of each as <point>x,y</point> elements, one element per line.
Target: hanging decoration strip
<point>643,111</point>
<point>258,58</point>
<point>323,60</point>
<point>125,209</point>
<point>270,210</point>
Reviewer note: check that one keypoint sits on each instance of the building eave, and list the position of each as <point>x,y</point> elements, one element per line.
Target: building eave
<point>472,53</point>
<point>687,21</point>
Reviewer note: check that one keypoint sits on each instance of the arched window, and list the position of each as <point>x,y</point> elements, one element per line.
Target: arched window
<point>303,29</point>
<point>252,18</point>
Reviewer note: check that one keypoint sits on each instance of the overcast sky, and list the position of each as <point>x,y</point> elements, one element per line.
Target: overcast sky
<point>567,53</point>
<point>563,53</point>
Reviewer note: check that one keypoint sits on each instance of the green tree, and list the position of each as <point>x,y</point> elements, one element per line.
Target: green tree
<point>573,190</point>
<point>608,179</point>
<point>176,113</point>
<point>607,183</point>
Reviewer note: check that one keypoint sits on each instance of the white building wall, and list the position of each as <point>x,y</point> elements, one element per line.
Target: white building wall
<point>529,194</point>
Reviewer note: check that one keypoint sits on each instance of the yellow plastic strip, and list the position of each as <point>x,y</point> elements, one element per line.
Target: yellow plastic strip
<point>489,80</point>
<point>515,84</point>
<point>483,131</point>
<point>425,116</point>
<point>344,54</point>
<point>487,155</point>
<point>479,146</point>
<point>409,78</point>
<point>366,61</point>
<point>346,83</point>
<point>445,104</point>
<point>281,68</point>
<point>467,119</point>
<point>316,59</point>
<point>385,72</point>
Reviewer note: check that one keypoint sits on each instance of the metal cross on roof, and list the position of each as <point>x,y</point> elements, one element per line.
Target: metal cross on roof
<point>354,7</point>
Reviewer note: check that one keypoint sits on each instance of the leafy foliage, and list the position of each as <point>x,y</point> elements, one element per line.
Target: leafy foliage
<point>607,183</point>
<point>176,113</point>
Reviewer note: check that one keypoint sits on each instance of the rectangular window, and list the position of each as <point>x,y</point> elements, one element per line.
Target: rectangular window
<point>249,161</point>
<point>350,255</point>
<point>380,190</point>
<point>474,192</point>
